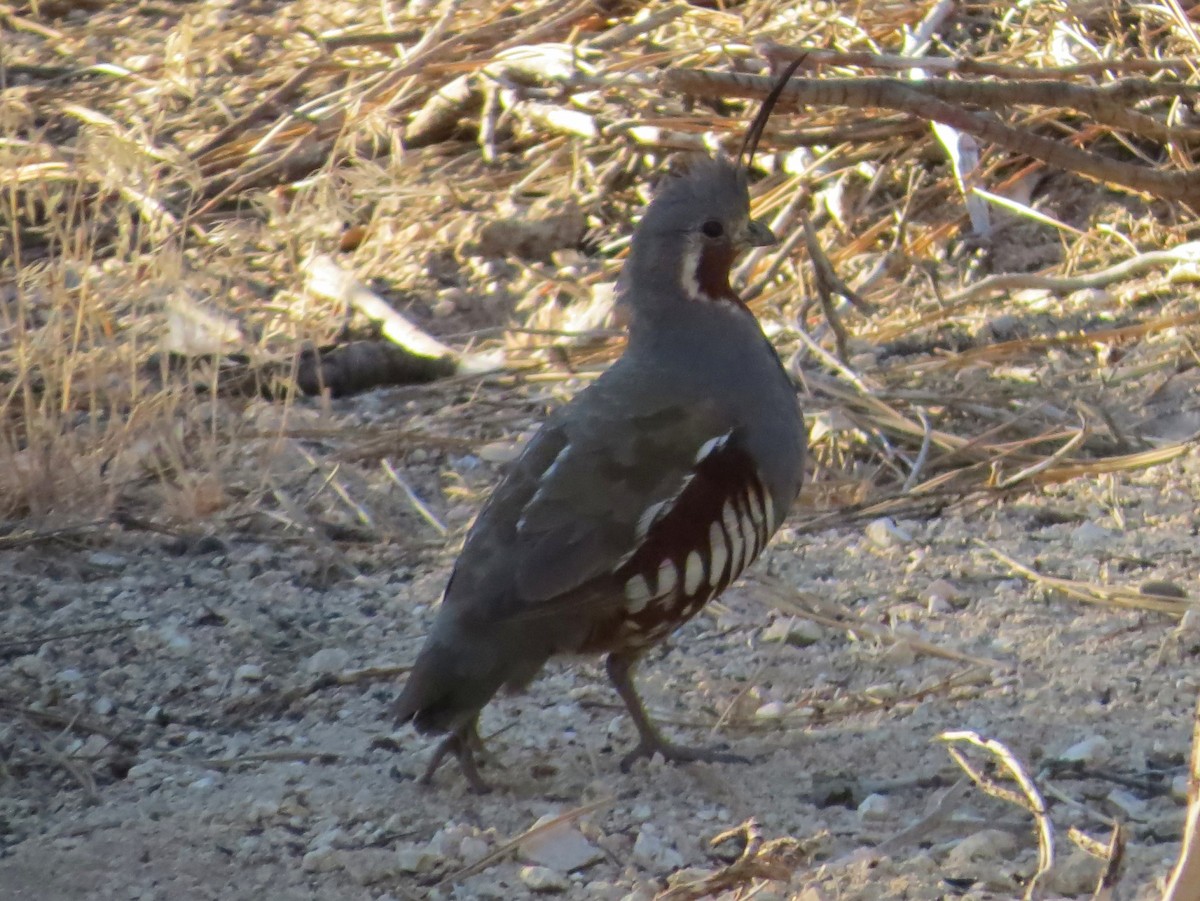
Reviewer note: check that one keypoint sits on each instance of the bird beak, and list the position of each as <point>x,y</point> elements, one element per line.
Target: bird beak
<point>758,235</point>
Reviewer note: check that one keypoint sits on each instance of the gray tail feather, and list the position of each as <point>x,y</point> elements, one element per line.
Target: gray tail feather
<point>451,683</point>
<point>432,699</point>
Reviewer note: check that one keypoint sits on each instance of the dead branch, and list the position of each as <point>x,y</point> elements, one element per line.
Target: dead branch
<point>925,99</point>
<point>1184,884</point>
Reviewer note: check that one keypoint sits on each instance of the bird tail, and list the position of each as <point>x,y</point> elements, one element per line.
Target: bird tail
<point>453,679</point>
<point>437,695</point>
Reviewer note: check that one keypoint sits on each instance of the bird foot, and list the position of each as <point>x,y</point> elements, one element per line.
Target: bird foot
<point>674,753</point>
<point>463,745</point>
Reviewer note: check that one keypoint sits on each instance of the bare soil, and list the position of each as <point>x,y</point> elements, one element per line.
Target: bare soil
<point>192,746</point>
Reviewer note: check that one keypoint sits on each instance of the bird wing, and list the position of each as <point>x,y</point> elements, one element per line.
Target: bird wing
<point>612,479</point>
<point>578,503</point>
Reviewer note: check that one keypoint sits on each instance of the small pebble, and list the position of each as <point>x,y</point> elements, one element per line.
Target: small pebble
<point>1076,874</point>
<point>941,595</point>
<point>1179,787</point>
<point>544,879</point>
<point>173,639</point>
<point>689,876</point>
<point>986,845</point>
<point>103,706</point>
<point>31,665</point>
<point>1088,536</point>
<point>473,848</point>
<point>651,852</point>
<point>1164,589</point>
<point>885,534</point>
<point>1189,624</point>
<point>772,710</point>
<point>797,633</point>
<point>328,660</point>
<point>320,860</point>
<point>368,866</point>
<point>1128,803</point>
<point>500,451</point>
<point>145,770</point>
<point>327,839</point>
<point>248,672</point>
<point>106,560</point>
<point>562,847</point>
<point>415,859</point>
<point>1092,750</point>
<point>874,807</point>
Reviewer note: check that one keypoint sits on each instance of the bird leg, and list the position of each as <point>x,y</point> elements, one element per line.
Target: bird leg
<point>650,740</point>
<point>463,743</point>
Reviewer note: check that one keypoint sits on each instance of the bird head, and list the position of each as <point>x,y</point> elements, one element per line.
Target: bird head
<point>697,225</point>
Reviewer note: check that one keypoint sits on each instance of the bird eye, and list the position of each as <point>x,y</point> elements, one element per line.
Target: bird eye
<point>712,228</point>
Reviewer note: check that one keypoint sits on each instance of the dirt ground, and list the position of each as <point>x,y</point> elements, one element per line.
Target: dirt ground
<point>195,744</point>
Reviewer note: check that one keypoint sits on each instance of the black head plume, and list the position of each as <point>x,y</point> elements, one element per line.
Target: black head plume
<point>755,131</point>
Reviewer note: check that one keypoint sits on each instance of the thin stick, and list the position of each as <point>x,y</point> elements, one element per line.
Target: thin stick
<point>419,505</point>
<point>1032,801</point>
<point>482,864</point>
<point>1184,884</point>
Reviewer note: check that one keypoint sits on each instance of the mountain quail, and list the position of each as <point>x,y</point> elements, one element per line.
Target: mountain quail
<point>641,499</point>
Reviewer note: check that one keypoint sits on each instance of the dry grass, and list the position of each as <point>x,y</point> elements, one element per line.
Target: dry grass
<point>193,157</point>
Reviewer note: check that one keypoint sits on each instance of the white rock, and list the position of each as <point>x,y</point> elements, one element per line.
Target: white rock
<point>874,807</point>
<point>772,710</point>
<point>562,848</point>
<point>544,879</point>
<point>472,848</point>
<point>1088,536</point>
<point>1073,876</point>
<point>641,893</point>
<point>1128,803</point>
<point>248,672</point>
<point>885,534</point>
<point>327,838</point>
<point>368,866</point>
<point>447,841</point>
<point>147,769</point>
<point>986,845</point>
<point>174,640</point>
<point>33,666</point>
<point>70,676</point>
<point>651,852</point>
<point>204,783</point>
<point>328,660</point>
<point>500,451</point>
<point>412,858</point>
<point>106,560</point>
<point>247,846</point>
<point>941,595</point>
<point>1179,788</point>
<point>320,860</point>
<point>1189,624</point>
<point>261,810</point>
<point>1090,297</point>
<point>799,633</point>
<point>103,706</point>
<point>1091,750</point>
<point>689,876</point>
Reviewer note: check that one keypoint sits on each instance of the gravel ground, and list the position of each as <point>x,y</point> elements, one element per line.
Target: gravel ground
<point>211,721</point>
